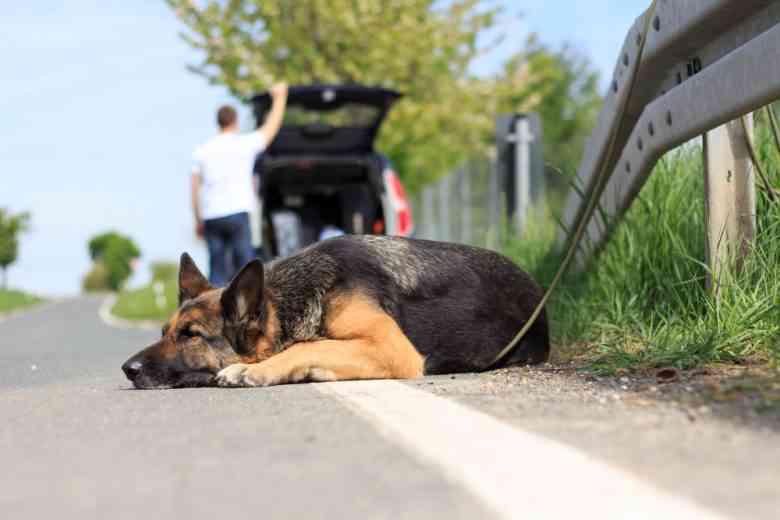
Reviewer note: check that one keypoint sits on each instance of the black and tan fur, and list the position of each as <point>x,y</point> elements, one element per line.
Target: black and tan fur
<point>355,307</point>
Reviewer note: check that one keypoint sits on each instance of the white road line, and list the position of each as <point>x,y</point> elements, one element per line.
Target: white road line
<point>515,473</point>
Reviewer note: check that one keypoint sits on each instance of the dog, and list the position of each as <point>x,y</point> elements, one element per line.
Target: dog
<point>348,308</point>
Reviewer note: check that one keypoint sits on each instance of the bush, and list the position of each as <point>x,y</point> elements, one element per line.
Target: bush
<point>116,253</point>
<point>96,280</point>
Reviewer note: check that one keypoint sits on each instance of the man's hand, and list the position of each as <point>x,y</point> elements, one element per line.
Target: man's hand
<point>279,90</point>
<point>200,229</point>
<point>275,117</point>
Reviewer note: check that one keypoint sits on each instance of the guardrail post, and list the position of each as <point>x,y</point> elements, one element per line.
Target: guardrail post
<point>730,199</point>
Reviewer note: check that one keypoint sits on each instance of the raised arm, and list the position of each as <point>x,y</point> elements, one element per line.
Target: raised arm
<point>195,191</point>
<point>275,117</point>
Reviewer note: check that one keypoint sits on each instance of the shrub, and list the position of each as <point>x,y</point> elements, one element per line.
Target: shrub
<point>116,253</point>
<point>96,280</point>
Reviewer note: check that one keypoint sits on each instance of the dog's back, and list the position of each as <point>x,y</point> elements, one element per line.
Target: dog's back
<point>458,305</point>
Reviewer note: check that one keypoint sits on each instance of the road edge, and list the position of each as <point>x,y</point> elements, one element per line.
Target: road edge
<point>108,318</point>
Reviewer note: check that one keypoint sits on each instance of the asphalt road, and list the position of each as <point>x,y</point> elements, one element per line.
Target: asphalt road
<point>77,442</point>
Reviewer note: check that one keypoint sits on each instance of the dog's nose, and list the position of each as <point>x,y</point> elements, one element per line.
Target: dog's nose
<point>132,368</point>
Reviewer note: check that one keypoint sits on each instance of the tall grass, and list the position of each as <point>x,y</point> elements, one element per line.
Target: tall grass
<point>644,302</point>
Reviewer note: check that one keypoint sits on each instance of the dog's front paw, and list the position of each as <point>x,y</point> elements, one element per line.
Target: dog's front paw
<point>242,374</point>
<point>232,375</point>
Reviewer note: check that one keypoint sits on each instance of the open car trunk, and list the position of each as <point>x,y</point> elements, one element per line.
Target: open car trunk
<point>308,199</point>
<point>328,119</point>
<point>321,177</point>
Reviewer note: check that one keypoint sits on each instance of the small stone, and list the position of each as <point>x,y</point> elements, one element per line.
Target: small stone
<point>33,367</point>
<point>624,380</point>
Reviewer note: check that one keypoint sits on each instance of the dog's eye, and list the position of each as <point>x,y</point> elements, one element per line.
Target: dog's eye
<point>189,333</point>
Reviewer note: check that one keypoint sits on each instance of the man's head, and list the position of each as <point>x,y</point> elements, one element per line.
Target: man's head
<point>227,118</point>
<point>212,328</point>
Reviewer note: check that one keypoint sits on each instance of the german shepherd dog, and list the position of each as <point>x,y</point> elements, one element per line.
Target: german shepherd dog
<point>353,307</point>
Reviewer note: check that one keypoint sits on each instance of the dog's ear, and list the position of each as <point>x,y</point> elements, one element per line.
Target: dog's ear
<point>243,299</point>
<point>192,283</point>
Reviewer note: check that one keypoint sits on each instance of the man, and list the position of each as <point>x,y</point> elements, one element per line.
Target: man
<point>223,192</point>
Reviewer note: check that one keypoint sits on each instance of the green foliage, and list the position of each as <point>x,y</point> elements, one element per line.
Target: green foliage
<point>96,280</point>
<point>14,300</point>
<point>10,227</point>
<point>147,303</point>
<point>644,303</point>
<point>424,48</point>
<point>164,272</point>
<point>115,253</point>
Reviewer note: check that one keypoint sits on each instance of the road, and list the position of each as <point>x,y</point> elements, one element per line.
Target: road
<point>77,442</point>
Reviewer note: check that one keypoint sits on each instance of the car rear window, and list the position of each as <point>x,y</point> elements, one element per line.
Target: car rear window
<point>345,115</point>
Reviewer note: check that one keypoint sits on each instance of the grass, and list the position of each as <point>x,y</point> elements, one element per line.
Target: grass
<point>11,300</point>
<point>144,304</point>
<point>644,302</point>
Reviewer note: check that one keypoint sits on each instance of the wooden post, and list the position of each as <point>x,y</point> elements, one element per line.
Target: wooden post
<point>730,199</point>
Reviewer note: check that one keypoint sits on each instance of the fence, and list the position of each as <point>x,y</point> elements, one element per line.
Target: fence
<point>704,63</point>
<point>484,197</point>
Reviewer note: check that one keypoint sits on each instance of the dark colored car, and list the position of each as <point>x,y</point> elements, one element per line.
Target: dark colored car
<point>321,176</point>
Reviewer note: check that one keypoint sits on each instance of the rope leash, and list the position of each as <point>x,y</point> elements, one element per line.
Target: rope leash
<point>751,146</point>
<point>601,183</point>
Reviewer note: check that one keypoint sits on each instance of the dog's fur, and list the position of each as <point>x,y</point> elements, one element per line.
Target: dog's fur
<point>354,307</point>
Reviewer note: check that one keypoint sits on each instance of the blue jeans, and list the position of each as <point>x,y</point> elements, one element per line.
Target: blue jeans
<point>230,246</point>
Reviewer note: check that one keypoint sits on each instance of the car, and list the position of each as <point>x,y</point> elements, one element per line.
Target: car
<point>322,176</point>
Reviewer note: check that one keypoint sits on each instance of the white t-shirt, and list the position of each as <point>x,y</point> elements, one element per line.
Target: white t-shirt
<point>225,163</point>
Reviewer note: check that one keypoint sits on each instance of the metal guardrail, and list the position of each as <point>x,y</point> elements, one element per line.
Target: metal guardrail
<point>705,63</point>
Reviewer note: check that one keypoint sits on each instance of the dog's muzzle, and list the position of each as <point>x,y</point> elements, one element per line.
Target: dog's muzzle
<point>132,369</point>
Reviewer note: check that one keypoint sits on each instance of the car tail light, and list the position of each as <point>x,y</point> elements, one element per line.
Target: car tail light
<point>400,204</point>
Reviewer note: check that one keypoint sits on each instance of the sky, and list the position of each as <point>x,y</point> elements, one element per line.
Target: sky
<point>99,117</point>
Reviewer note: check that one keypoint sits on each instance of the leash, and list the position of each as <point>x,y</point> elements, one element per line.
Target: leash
<point>751,147</point>
<point>601,183</point>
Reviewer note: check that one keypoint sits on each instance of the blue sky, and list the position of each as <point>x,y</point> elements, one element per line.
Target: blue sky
<point>99,117</point>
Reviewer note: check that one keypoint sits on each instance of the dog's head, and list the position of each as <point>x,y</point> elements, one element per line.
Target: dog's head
<point>212,329</point>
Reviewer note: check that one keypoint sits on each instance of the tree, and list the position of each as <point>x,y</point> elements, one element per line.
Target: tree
<point>10,228</point>
<point>112,254</point>
<point>562,86</point>
<point>423,48</point>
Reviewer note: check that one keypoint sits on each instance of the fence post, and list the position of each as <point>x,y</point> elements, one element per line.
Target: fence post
<point>445,221</point>
<point>467,233</point>
<point>730,198</point>
<point>429,213</point>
